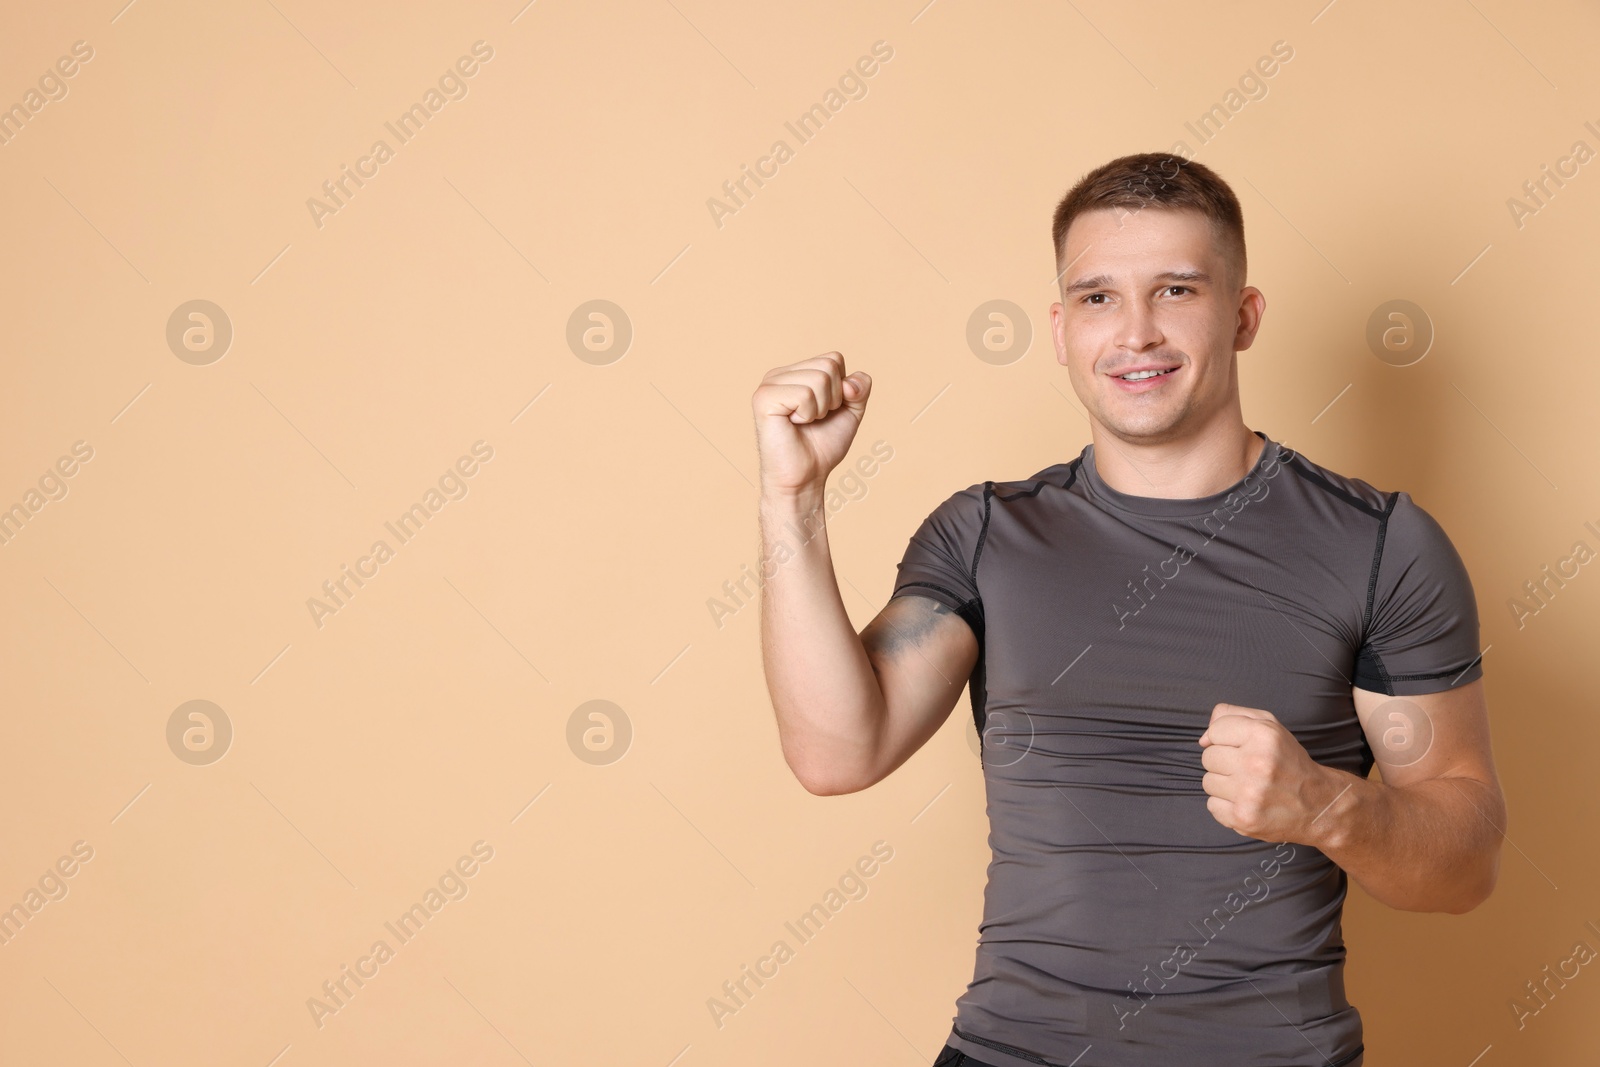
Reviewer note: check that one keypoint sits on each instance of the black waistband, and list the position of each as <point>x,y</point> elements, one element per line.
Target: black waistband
<point>1012,1050</point>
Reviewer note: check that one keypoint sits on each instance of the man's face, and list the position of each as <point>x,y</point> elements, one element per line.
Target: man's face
<point>1151,290</point>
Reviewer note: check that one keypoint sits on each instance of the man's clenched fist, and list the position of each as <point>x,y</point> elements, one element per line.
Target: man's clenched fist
<point>806,415</point>
<point>1260,780</point>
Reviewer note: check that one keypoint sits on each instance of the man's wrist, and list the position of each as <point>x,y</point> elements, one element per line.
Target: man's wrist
<point>787,502</point>
<point>1343,805</point>
<point>794,522</point>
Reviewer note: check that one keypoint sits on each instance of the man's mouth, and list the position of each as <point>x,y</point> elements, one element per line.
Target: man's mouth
<point>1144,373</point>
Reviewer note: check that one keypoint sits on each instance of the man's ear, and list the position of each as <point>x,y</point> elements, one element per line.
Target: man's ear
<point>1058,331</point>
<point>1252,306</point>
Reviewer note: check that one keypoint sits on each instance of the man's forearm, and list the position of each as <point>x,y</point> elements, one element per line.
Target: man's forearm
<point>824,691</point>
<point>1432,845</point>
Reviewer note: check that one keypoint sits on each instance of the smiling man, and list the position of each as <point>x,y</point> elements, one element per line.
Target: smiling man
<point>1186,648</point>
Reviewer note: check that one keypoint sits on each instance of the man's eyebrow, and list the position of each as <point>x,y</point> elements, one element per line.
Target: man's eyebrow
<point>1102,281</point>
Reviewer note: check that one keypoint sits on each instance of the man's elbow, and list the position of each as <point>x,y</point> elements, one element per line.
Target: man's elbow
<point>830,774</point>
<point>829,789</point>
<point>1481,889</point>
<point>825,782</point>
<point>830,785</point>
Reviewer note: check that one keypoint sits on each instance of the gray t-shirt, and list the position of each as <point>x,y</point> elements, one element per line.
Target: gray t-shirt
<point>1119,916</point>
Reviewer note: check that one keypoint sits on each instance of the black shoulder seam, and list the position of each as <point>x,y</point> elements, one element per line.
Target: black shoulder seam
<point>1072,472</point>
<point>1023,494</point>
<point>1040,482</point>
<point>1377,558</point>
<point>1296,465</point>
<point>983,532</point>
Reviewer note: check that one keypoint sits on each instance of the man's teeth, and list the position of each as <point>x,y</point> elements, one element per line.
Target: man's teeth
<point>1141,375</point>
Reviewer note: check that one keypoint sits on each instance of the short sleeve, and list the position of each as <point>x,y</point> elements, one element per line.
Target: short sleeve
<point>941,559</point>
<point>1422,634</point>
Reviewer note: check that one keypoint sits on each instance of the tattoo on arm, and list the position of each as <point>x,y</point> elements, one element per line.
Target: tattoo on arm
<point>915,622</point>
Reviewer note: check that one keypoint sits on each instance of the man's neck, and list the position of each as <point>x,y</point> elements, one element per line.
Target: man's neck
<point>1199,465</point>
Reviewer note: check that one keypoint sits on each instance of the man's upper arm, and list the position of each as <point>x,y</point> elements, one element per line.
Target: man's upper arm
<point>1429,735</point>
<point>1419,690</point>
<point>922,653</point>
<point>926,641</point>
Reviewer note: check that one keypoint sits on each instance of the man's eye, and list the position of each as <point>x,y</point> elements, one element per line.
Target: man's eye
<point>1091,296</point>
<point>1185,288</point>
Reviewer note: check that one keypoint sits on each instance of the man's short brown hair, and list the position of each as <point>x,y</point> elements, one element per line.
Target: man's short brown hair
<point>1156,179</point>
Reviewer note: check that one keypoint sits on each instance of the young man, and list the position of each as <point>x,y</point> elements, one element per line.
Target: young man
<point>1186,649</point>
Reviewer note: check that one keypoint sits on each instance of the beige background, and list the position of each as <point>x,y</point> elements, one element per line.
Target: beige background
<point>432,710</point>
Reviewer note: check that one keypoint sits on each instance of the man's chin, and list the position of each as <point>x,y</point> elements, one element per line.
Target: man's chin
<point>1151,429</point>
